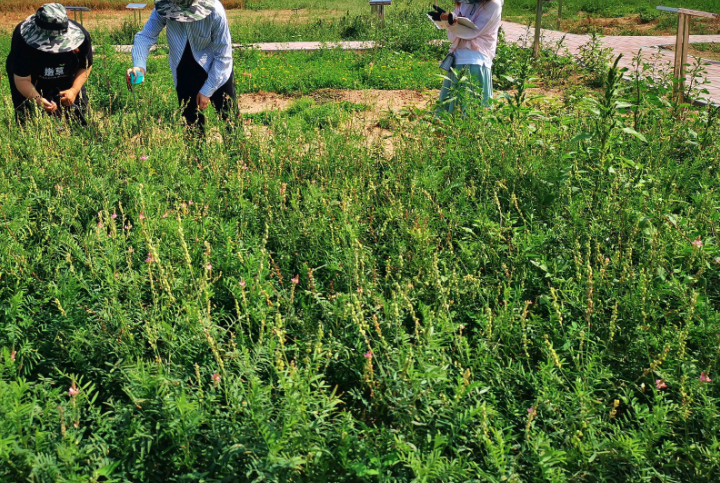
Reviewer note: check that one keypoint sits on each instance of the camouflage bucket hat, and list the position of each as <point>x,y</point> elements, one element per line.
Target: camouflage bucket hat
<point>185,10</point>
<point>49,30</point>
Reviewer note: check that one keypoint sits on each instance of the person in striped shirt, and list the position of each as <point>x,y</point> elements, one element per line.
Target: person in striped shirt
<point>200,54</point>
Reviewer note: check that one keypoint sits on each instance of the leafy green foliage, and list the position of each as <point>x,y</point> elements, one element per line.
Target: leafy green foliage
<point>305,72</point>
<point>528,293</point>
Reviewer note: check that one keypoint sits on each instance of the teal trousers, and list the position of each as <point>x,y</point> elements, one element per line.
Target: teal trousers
<point>479,80</point>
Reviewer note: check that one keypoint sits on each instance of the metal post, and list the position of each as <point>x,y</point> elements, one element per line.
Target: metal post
<point>538,25</point>
<point>377,7</point>
<point>379,10</point>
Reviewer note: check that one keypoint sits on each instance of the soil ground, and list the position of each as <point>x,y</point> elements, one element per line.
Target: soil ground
<point>379,123</point>
<point>379,101</point>
<point>375,124</point>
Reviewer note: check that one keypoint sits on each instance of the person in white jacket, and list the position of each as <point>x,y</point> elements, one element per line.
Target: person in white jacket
<point>474,50</point>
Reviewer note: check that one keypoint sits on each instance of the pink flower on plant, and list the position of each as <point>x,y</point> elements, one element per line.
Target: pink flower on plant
<point>697,243</point>
<point>73,391</point>
<point>113,216</point>
<point>368,355</point>
<point>216,377</point>
<point>100,225</point>
<point>190,202</point>
<point>142,217</point>
<point>242,283</point>
<point>531,411</point>
<point>143,158</point>
<point>208,266</point>
<point>295,280</point>
<point>704,378</point>
<point>149,259</point>
<point>12,356</point>
<point>127,227</point>
<point>165,215</point>
<point>660,384</point>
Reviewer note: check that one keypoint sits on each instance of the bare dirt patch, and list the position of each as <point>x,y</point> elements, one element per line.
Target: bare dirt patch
<point>379,101</point>
<point>631,25</point>
<point>382,105</point>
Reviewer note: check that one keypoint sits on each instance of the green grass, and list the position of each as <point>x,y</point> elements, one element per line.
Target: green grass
<point>305,72</point>
<point>608,8</point>
<point>310,113</point>
<point>528,293</point>
<point>578,15</point>
<point>25,5</point>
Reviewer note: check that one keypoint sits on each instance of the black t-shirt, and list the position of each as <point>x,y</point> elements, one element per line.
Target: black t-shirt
<point>48,71</point>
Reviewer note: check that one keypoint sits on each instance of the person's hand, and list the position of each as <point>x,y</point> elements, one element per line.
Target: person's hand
<point>48,106</point>
<point>442,15</point>
<point>136,72</point>
<point>202,101</point>
<point>450,17</point>
<point>67,98</point>
<point>435,16</point>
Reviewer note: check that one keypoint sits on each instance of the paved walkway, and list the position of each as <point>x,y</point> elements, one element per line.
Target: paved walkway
<point>627,45</point>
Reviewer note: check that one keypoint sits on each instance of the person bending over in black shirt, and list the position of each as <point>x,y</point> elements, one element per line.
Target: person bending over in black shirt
<point>50,60</point>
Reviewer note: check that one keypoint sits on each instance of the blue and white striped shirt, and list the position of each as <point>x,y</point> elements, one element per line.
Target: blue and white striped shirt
<point>209,41</point>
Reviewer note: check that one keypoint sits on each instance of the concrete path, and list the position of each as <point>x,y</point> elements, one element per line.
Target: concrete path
<point>626,45</point>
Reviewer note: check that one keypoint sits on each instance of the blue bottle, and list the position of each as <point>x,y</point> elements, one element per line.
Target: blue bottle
<point>136,79</point>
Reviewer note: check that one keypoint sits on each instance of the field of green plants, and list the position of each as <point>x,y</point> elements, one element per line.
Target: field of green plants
<point>611,8</point>
<point>614,17</point>
<point>526,293</point>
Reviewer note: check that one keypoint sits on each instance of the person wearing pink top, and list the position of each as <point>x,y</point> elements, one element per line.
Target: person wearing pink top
<point>473,50</point>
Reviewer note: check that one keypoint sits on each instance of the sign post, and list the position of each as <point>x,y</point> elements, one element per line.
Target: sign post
<point>378,7</point>
<point>682,44</point>
<point>137,7</point>
<point>559,12</point>
<point>538,25</point>
<point>75,10</point>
